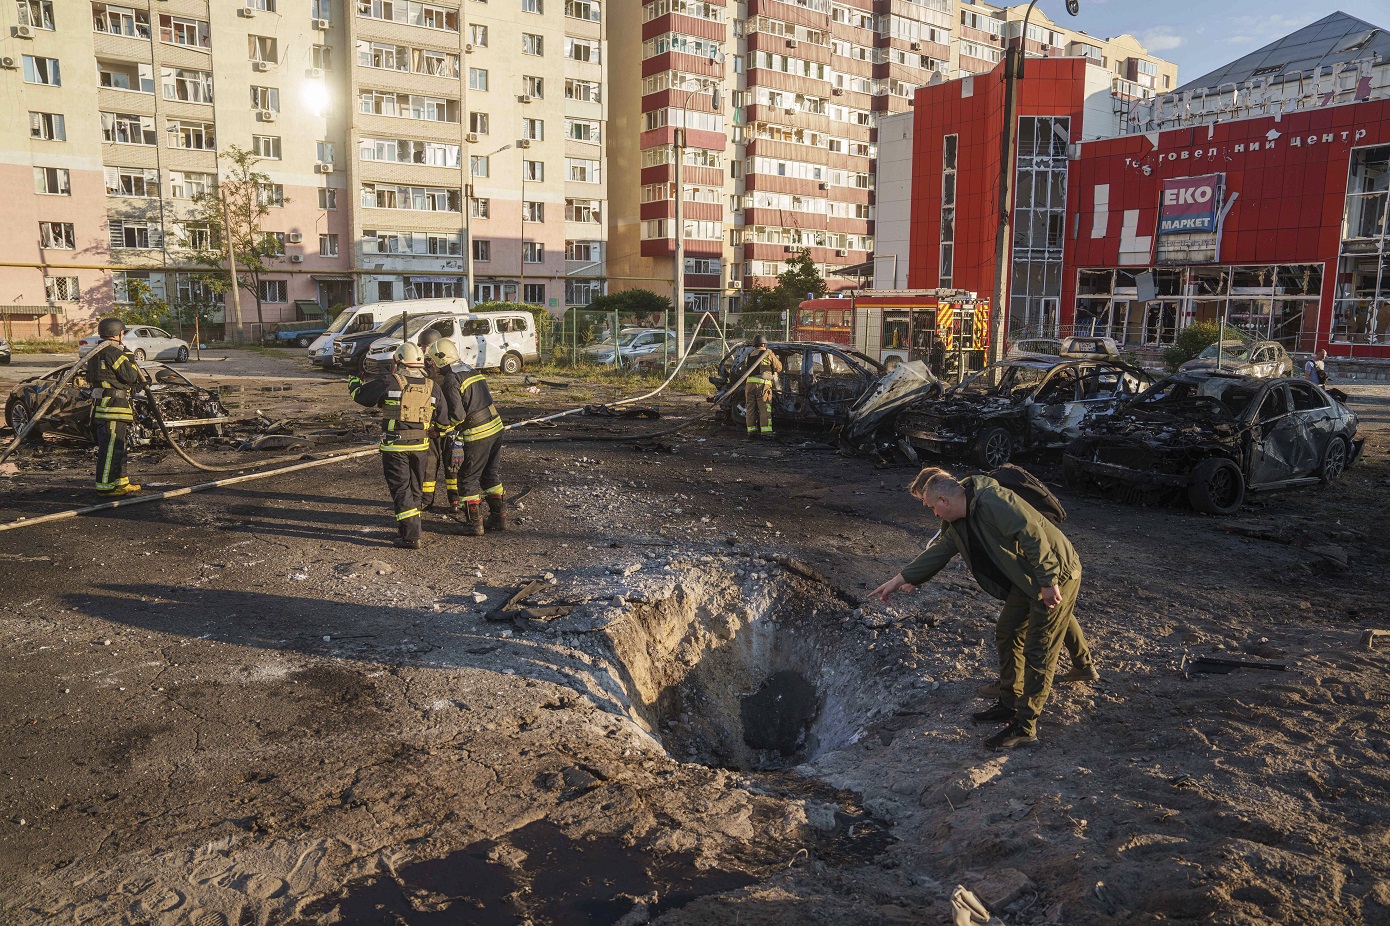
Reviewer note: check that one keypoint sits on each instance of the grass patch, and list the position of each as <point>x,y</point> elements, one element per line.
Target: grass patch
<point>692,383</point>
<point>44,346</point>
<point>253,348</point>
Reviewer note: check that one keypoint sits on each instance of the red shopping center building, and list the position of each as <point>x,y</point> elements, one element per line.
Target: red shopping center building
<point>1257,194</point>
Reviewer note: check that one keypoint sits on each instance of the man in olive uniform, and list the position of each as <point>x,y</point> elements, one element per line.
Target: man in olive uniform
<point>1018,556</point>
<point>480,432</point>
<point>440,438</point>
<point>113,373</point>
<point>757,389</point>
<point>408,401</point>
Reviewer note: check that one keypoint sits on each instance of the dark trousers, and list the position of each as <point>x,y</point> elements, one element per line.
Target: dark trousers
<point>1029,637</point>
<point>405,471</point>
<point>436,462</point>
<point>112,437</point>
<point>479,474</point>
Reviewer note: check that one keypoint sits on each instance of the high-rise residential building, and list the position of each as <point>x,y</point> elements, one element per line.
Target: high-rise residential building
<point>784,157</point>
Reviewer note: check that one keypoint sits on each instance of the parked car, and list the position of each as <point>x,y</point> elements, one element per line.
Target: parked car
<point>1026,404</point>
<point>633,344</point>
<point>146,342</point>
<point>1211,436</point>
<point>4,350</point>
<point>818,384</point>
<point>1047,347</point>
<point>703,356</point>
<point>300,334</point>
<point>185,407</point>
<point>504,341</point>
<point>358,319</point>
<point>1249,358</point>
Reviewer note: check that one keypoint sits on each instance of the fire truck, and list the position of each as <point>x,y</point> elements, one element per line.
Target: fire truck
<point>949,330</point>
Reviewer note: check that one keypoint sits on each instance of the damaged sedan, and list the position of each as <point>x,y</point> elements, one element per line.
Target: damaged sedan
<point>1211,436</point>
<point>818,383</point>
<point>1025,404</point>
<point>184,406</point>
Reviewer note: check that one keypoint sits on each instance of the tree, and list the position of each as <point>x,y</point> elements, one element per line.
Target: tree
<point>640,303</point>
<point>143,307</point>
<point>229,221</point>
<point>801,280</point>
<point>1190,342</point>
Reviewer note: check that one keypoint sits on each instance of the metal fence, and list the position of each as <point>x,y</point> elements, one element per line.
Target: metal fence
<point>646,342</point>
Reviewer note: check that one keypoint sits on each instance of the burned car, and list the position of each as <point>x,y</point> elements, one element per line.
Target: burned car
<point>818,383</point>
<point>190,409</point>
<point>1248,358</point>
<point>1025,404</point>
<point>1212,436</point>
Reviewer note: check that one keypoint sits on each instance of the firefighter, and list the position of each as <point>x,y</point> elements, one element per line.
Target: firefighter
<point>480,433</point>
<point>440,357</point>
<point>757,390</point>
<point>113,373</point>
<point>438,459</point>
<point>408,401</point>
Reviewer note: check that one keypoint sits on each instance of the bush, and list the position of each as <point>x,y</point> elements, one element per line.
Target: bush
<point>1190,342</point>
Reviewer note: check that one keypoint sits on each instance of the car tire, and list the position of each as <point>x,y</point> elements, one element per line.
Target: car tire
<point>17,413</point>
<point>1216,487</point>
<point>1334,460</point>
<point>301,342</point>
<point>511,363</point>
<point>139,355</point>
<point>993,448</point>
<point>181,356</point>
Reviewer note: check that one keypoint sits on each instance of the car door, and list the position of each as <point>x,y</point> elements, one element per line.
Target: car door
<point>1277,437</point>
<point>836,384</point>
<point>165,347</point>
<point>1318,423</point>
<point>1054,404</point>
<point>472,342</point>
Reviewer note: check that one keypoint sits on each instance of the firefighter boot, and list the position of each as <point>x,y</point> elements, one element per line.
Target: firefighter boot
<point>496,512</point>
<point>473,518</point>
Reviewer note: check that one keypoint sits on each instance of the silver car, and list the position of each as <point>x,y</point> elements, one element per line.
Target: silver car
<point>146,342</point>
<point>1265,359</point>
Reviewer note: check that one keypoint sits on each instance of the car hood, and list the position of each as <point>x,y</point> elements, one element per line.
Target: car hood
<point>384,345</point>
<point>321,342</point>
<point>909,383</point>
<point>1209,363</point>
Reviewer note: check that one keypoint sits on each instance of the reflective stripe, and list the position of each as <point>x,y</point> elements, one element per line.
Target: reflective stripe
<point>767,429</point>
<point>404,448</point>
<point>475,378</point>
<point>472,498</point>
<point>410,513</point>
<point>451,484</point>
<point>483,431</point>
<point>756,381</point>
<point>495,490</point>
<point>118,361</point>
<point>752,428</point>
<point>427,487</point>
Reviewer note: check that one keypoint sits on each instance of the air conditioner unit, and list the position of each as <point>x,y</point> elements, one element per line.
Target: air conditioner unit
<point>22,32</point>
<point>735,284</point>
<point>790,111</point>
<point>246,12</point>
<point>267,115</point>
<point>916,46</point>
<point>322,24</point>
<point>523,98</point>
<point>471,138</point>
<point>467,47</point>
<point>296,258</point>
<point>314,72</point>
<point>789,248</point>
<point>294,237</point>
<point>791,43</point>
<point>841,252</point>
<point>823,186</point>
<point>523,142</point>
<point>323,168</point>
<point>260,66</point>
<point>10,62</point>
<point>837,91</point>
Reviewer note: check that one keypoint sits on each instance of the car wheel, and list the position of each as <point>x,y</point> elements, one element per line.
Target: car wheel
<point>1216,487</point>
<point>182,355</point>
<point>511,363</point>
<point>17,415</point>
<point>301,342</point>
<point>1334,460</point>
<point>993,448</point>
<point>140,354</point>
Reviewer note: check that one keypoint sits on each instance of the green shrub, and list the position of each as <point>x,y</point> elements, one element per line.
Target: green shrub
<point>1190,342</point>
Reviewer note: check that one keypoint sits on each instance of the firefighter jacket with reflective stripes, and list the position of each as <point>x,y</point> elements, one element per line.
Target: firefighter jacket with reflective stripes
<point>480,418</point>
<point>113,375</point>
<point>408,404</point>
<point>451,414</point>
<point>765,366</point>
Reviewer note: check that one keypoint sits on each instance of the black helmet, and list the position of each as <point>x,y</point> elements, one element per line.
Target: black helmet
<point>760,341</point>
<point>110,327</point>
<point>428,337</point>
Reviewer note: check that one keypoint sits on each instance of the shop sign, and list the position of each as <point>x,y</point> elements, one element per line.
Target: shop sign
<point>1190,204</point>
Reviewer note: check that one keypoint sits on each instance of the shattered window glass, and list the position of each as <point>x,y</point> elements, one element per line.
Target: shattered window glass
<point>1232,396</point>
<point>1004,379</point>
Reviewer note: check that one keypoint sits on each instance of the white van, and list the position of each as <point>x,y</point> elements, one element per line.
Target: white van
<point>365,317</point>
<point>504,341</point>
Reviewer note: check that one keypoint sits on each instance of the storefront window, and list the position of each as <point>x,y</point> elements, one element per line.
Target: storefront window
<point>1361,308</point>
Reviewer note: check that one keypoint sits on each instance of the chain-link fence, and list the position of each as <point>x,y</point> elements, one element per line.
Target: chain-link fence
<point>647,342</point>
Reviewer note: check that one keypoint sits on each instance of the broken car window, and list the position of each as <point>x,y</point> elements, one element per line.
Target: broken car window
<point>1232,396</point>
<point>1004,379</point>
<point>1274,405</point>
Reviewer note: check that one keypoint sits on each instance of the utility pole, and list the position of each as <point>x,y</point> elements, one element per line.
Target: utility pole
<point>231,264</point>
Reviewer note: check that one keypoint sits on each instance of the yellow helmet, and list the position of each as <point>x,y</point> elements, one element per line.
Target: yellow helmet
<point>444,353</point>
<point>409,355</point>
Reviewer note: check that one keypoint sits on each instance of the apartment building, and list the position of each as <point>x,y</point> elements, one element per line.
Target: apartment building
<point>786,159</point>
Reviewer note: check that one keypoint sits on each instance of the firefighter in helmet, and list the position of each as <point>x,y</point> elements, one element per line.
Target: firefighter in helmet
<point>409,402</point>
<point>114,375</point>
<point>480,433</point>
<point>757,390</point>
<point>440,357</point>
<point>440,439</point>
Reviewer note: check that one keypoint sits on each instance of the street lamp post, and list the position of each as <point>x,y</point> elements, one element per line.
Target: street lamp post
<point>1003,250</point>
<point>702,84</point>
<point>468,222</point>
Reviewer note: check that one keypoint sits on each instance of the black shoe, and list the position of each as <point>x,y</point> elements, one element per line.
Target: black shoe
<point>1011,737</point>
<point>999,711</point>
<point>405,544</point>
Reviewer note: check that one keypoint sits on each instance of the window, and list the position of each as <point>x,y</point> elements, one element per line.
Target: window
<point>533,170</point>
<point>581,49</point>
<point>586,90</point>
<point>192,290</point>
<point>533,87</point>
<point>41,71</point>
<point>195,135</point>
<point>533,129</point>
<point>532,44</point>
<point>197,236</point>
<point>127,235</point>
<point>266,98</point>
<point>266,146</point>
<point>135,182</point>
<point>48,126</point>
<point>61,289</point>
<point>583,210</point>
<point>270,194</point>
<point>265,6</point>
<point>482,249</point>
<point>477,35</point>
<point>177,30</point>
<point>582,292</point>
<point>585,251</point>
<point>128,129</point>
<point>533,293</point>
<point>321,9</point>
<point>321,57</point>
<point>477,79</point>
<point>385,290</point>
<point>478,165</point>
<point>532,211</point>
<point>190,86</point>
<point>120,75</point>
<point>262,48</point>
<point>583,170</point>
<point>532,252</point>
<point>532,6</point>
<point>328,245</point>
<point>480,208</point>
<point>53,181</point>
<point>36,13</point>
<point>328,198</point>
<point>324,152</point>
<point>582,129</point>
<point>583,9</point>
<point>57,235</point>
<point>478,122</point>
<point>186,185</point>
<point>274,291</point>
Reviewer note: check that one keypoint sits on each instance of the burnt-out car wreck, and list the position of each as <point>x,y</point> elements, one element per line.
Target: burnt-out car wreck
<point>1209,437</point>
<point>1028,403</point>
<point>818,385</point>
<point>189,409</point>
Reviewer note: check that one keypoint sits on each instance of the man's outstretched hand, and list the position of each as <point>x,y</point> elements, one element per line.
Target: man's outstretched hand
<point>886,590</point>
